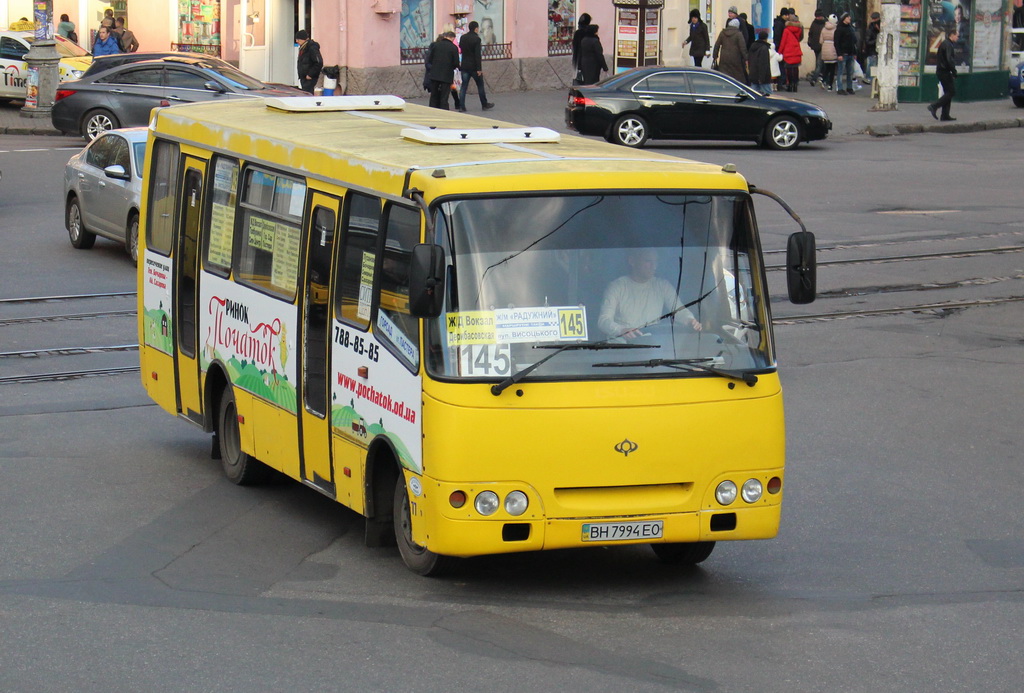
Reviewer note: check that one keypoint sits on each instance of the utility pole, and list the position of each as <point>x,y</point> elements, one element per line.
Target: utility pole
<point>43,61</point>
<point>888,47</point>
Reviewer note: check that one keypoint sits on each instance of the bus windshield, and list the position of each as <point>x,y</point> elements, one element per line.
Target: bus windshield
<point>624,285</point>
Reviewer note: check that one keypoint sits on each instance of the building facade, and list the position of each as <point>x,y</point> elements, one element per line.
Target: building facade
<point>379,44</point>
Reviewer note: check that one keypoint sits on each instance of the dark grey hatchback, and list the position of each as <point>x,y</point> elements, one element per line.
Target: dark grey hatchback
<point>690,103</point>
<point>124,96</point>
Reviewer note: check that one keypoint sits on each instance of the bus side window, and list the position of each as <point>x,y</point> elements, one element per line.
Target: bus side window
<point>354,295</point>
<point>218,241</point>
<point>393,319</point>
<point>163,177</point>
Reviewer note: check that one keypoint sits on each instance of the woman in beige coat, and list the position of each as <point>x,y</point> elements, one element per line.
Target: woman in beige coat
<point>829,57</point>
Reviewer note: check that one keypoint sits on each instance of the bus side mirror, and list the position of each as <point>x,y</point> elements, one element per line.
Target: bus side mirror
<point>426,280</point>
<point>801,267</point>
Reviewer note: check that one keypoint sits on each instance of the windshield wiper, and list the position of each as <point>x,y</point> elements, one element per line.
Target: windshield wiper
<point>700,364</point>
<point>499,387</point>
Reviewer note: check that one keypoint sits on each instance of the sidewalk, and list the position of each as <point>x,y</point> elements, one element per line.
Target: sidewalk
<point>850,115</point>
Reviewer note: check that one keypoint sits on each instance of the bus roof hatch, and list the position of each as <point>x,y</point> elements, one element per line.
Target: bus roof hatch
<point>307,104</point>
<point>480,135</point>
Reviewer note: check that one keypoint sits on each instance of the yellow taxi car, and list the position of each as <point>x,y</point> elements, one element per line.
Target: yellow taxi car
<point>74,61</point>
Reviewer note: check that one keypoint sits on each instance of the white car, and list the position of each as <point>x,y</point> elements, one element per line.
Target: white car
<point>74,61</point>
<point>103,190</point>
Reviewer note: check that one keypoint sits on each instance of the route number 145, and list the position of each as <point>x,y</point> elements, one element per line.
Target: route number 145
<point>482,360</point>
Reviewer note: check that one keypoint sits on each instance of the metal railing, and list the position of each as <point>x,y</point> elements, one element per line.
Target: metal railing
<point>490,51</point>
<point>204,48</point>
<point>560,46</point>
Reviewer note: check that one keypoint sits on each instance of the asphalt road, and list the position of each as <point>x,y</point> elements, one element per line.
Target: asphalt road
<point>128,563</point>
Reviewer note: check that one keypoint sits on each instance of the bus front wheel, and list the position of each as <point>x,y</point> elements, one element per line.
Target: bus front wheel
<point>239,467</point>
<point>417,558</point>
<point>684,554</point>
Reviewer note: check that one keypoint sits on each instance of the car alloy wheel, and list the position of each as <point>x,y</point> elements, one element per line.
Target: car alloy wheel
<point>783,133</point>
<point>630,131</point>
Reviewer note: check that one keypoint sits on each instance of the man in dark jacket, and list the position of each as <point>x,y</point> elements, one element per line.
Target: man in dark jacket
<point>846,49</point>
<point>473,66</point>
<point>309,63</point>
<point>443,58</point>
<point>871,45</point>
<point>814,43</point>
<point>945,70</point>
<point>759,64</point>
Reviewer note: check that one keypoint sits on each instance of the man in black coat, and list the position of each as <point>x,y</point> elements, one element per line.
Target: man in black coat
<point>443,59</point>
<point>310,61</point>
<point>473,66</point>
<point>945,70</point>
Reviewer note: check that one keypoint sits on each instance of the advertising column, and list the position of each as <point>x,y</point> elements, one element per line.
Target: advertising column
<point>637,33</point>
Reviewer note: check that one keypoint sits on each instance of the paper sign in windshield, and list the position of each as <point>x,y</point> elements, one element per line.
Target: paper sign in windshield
<point>517,325</point>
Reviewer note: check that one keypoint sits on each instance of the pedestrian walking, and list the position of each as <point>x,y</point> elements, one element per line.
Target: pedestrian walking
<point>309,63</point>
<point>577,40</point>
<point>846,50</point>
<point>759,63</point>
<point>698,40</point>
<point>792,54</point>
<point>814,43</point>
<point>730,55</point>
<point>945,70</point>
<point>106,43</point>
<point>129,44</point>
<point>829,55</point>
<point>443,58</point>
<point>473,66</point>
<point>592,62</point>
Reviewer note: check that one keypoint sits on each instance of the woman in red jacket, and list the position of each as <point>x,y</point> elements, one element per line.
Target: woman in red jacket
<point>792,54</point>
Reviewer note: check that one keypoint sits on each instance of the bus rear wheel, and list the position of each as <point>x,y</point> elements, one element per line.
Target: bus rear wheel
<point>239,467</point>
<point>417,558</point>
<point>684,554</point>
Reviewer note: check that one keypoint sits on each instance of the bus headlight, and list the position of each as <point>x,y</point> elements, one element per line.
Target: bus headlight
<point>516,503</point>
<point>725,493</point>
<point>486,503</point>
<point>751,490</point>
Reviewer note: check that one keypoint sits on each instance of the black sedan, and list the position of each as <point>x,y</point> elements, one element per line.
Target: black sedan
<point>690,103</point>
<point>124,96</point>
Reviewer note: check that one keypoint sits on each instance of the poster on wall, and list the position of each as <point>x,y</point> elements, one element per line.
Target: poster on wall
<point>988,34</point>
<point>944,16</point>
<point>199,24</point>
<point>416,30</point>
<point>491,15</point>
<point>561,26</point>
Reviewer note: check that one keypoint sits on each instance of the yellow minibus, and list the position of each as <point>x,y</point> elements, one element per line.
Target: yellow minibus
<point>484,338</point>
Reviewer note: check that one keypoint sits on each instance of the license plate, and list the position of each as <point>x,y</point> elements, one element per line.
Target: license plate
<point>622,531</point>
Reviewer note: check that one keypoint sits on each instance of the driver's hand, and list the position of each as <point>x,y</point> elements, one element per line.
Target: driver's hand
<point>695,324</point>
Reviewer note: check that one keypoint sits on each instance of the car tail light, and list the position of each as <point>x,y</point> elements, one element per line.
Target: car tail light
<point>583,101</point>
<point>63,94</point>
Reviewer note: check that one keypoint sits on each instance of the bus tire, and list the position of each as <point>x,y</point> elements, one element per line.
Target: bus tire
<point>418,559</point>
<point>131,237</point>
<point>239,467</point>
<point>80,238</point>
<point>683,554</point>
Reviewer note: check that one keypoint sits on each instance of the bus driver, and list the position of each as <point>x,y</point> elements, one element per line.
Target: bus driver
<point>639,299</point>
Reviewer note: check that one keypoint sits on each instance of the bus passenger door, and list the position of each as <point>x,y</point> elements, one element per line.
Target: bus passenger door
<point>316,339</point>
<point>186,293</point>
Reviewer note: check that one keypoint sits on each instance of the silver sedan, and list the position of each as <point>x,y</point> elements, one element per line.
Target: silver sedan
<point>103,189</point>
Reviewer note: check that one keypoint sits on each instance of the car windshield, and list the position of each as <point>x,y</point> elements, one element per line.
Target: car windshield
<point>66,48</point>
<point>633,285</point>
<point>237,78</point>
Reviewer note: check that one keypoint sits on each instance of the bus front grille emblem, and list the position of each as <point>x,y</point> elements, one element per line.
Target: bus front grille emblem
<point>626,446</point>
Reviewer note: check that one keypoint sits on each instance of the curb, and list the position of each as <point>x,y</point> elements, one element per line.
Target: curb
<point>950,128</point>
<point>30,131</point>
